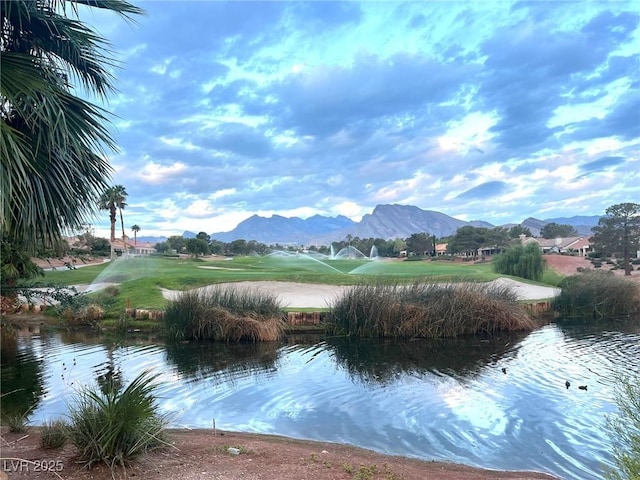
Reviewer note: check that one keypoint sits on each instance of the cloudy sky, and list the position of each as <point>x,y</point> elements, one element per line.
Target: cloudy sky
<point>492,111</point>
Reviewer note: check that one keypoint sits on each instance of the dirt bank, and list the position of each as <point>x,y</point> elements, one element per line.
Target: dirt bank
<point>198,454</point>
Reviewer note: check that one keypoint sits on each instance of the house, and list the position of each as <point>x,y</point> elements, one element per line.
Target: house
<point>441,249</point>
<point>130,248</point>
<point>581,245</point>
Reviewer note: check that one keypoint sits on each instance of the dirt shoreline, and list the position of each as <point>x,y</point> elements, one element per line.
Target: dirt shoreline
<point>201,454</point>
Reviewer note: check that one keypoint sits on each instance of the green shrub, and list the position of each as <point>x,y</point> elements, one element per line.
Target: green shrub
<point>225,313</point>
<point>625,431</point>
<point>596,294</point>
<point>113,424</point>
<point>426,310</point>
<point>54,434</point>
<point>523,261</point>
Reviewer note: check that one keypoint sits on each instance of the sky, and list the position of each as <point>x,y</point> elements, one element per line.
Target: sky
<point>492,111</point>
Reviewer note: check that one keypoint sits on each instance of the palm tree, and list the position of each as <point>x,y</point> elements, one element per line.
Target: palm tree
<point>113,199</point>
<point>52,140</point>
<point>135,229</point>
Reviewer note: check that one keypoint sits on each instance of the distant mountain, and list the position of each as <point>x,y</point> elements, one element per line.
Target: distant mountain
<point>400,221</point>
<point>188,234</point>
<point>283,230</point>
<point>582,224</point>
<point>386,221</point>
<point>153,240</point>
<point>534,225</point>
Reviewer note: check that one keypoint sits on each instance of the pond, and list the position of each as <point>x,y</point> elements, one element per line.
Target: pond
<point>445,400</point>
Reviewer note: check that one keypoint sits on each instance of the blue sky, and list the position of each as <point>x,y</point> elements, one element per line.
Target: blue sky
<point>481,110</point>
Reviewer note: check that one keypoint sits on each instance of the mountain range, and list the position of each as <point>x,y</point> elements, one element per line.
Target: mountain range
<point>386,221</point>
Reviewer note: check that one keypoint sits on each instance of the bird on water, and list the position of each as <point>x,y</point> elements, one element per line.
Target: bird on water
<point>567,384</point>
<point>582,387</point>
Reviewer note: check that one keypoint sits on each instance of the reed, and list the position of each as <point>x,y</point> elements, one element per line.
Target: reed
<point>597,294</point>
<point>426,310</point>
<point>225,313</point>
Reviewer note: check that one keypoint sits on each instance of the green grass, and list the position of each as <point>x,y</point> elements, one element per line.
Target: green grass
<point>141,278</point>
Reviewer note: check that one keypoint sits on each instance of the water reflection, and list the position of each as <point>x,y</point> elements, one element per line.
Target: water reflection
<point>229,360</point>
<point>444,399</point>
<point>21,375</point>
<point>384,360</point>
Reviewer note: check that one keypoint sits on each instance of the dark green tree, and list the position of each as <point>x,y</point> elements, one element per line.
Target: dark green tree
<point>557,230</point>
<point>204,236</point>
<point>176,242</point>
<point>238,247</point>
<point>196,247</point>
<point>517,230</point>
<point>467,240</point>
<point>420,244</point>
<point>618,232</point>
<point>497,237</point>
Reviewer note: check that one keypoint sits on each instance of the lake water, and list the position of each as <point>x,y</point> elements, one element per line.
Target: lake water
<point>436,400</point>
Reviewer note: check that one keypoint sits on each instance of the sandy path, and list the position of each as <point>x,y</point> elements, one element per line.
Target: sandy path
<point>312,295</point>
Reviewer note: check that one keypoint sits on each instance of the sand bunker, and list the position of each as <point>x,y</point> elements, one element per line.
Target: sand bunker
<point>313,295</point>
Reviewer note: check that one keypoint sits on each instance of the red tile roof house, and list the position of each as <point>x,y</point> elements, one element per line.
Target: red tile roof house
<point>132,248</point>
<point>580,245</point>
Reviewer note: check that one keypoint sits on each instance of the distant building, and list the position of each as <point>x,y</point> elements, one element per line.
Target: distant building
<point>580,245</point>
<point>130,248</point>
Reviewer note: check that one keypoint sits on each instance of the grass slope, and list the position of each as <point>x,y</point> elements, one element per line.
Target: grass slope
<point>141,278</point>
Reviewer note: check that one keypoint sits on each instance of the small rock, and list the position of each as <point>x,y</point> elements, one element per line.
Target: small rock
<point>233,451</point>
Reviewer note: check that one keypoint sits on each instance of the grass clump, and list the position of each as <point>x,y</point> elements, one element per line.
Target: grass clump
<point>225,313</point>
<point>426,310</point>
<point>625,430</point>
<point>596,294</point>
<point>114,424</point>
<point>54,434</point>
<point>16,421</point>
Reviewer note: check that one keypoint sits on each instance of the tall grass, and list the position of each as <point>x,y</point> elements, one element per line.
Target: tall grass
<point>596,294</point>
<point>225,313</point>
<point>426,310</point>
<point>115,424</point>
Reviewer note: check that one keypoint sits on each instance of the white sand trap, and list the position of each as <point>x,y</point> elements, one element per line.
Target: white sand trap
<point>313,295</point>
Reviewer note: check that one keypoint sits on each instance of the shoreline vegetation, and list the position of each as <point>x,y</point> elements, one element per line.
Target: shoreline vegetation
<point>453,300</point>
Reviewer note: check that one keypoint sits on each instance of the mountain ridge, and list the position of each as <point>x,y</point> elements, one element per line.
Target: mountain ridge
<point>386,221</point>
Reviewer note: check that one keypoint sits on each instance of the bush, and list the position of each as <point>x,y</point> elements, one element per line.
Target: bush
<point>113,425</point>
<point>625,430</point>
<point>424,310</point>
<point>225,313</point>
<point>54,434</point>
<point>523,261</point>
<point>597,294</point>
